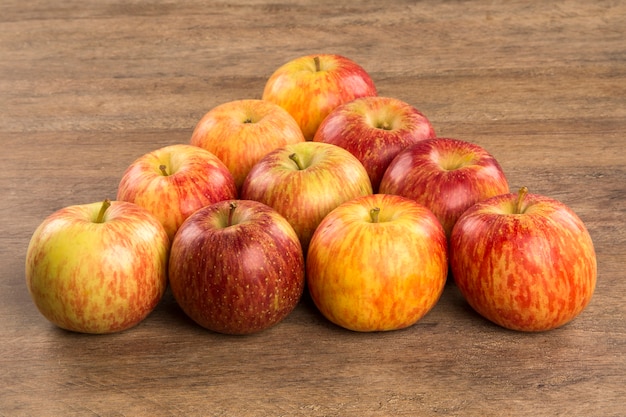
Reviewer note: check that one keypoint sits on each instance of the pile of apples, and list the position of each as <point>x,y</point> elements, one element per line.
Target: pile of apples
<point>320,186</point>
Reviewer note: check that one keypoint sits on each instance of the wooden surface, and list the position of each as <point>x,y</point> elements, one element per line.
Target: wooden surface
<point>88,86</point>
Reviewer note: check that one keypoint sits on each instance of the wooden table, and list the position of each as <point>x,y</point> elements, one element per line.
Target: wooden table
<point>88,86</point>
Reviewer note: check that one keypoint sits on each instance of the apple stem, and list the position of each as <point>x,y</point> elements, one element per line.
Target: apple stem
<point>294,157</point>
<point>521,194</point>
<point>163,169</point>
<point>105,205</point>
<point>317,63</point>
<point>374,214</point>
<point>233,206</point>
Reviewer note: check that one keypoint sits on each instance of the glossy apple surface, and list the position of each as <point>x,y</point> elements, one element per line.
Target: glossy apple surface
<point>523,261</point>
<point>241,132</point>
<point>309,87</point>
<point>305,181</point>
<point>446,175</point>
<point>377,263</point>
<point>174,181</point>
<point>236,267</point>
<point>375,130</point>
<point>96,268</point>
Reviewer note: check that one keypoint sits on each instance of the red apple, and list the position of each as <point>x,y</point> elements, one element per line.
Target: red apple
<point>309,87</point>
<point>174,181</point>
<point>236,267</point>
<point>305,181</point>
<point>446,175</point>
<point>525,262</point>
<point>241,132</point>
<point>375,130</point>
<point>377,263</point>
<point>97,268</point>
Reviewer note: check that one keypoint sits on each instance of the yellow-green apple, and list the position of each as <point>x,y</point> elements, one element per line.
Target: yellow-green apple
<point>241,132</point>
<point>305,181</point>
<point>236,267</point>
<point>98,267</point>
<point>309,87</point>
<point>174,181</point>
<point>523,261</point>
<point>446,175</point>
<point>375,130</point>
<point>377,263</point>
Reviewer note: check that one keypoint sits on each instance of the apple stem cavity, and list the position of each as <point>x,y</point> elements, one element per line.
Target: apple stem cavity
<point>233,206</point>
<point>374,214</point>
<point>163,169</point>
<point>296,159</point>
<point>318,68</point>
<point>384,125</point>
<point>521,195</point>
<point>105,205</point>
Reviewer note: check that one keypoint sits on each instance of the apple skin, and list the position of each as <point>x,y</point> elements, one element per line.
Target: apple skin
<point>377,276</point>
<point>375,130</point>
<point>526,263</point>
<point>97,277</point>
<point>328,177</point>
<point>237,279</point>
<point>195,178</point>
<point>446,175</point>
<point>241,132</point>
<point>309,94</point>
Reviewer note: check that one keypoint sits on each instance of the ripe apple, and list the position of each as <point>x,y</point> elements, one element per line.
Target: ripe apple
<point>97,268</point>
<point>377,263</point>
<point>375,130</point>
<point>446,175</point>
<point>304,182</point>
<point>174,181</point>
<point>309,87</point>
<point>525,262</point>
<point>241,132</point>
<point>236,267</point>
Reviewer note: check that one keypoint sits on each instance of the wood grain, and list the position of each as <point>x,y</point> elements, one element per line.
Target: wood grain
<point>88,86</point>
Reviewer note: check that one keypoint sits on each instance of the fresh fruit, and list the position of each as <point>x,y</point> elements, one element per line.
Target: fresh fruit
<point>377,263</point>
<point>525,262</point>
<point>446,175</point>
<point>236,267</point>
<point>174,181</point>
<point>375,130</point>
<point>241,132</point>
<point>305,181</point>
<point>309,87</point>
<point>97,268</point>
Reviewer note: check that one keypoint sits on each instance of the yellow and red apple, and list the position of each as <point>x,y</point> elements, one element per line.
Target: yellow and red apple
<point>523,261</point>
<point>305,181</point>
<point>241,132</point>
<point>174,181</point>
<point>377,263</point>
<point>98,267</point>
<point>311,86</point>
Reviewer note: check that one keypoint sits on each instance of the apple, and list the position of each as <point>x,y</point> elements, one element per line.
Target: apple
<point>304,182</point>
<point>375,130</point>
<point>174,181</point>
<point>99,267</point>
<point>523,261</point>
<point>377,263</point>
<point>309,87</point>
<point>236,267</point>
<point>446,175</point>
<point>241,132</point>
